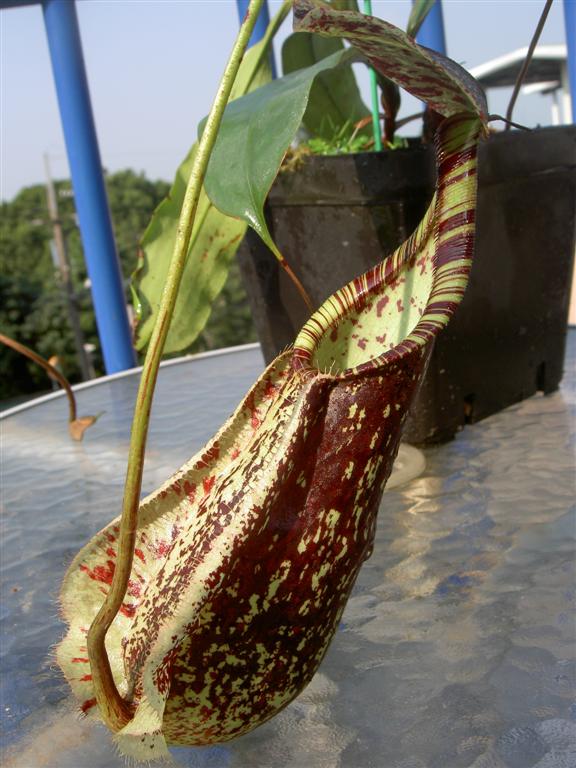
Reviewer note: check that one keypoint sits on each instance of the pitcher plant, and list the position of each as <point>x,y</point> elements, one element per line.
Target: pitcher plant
<point>204,610</point>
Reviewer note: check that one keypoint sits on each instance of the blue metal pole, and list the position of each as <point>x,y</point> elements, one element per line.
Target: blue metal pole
<point>570,23</point>
<point>89,191</point>
<point>431,32</point>
<point>260,28</point>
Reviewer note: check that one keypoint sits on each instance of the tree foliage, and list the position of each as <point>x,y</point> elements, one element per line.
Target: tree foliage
<point>33,307</point>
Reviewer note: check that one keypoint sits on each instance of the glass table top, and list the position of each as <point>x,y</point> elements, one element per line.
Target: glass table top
<point>457,646</point>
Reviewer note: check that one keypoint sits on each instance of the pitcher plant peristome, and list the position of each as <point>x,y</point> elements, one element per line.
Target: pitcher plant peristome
<point>245,558</point>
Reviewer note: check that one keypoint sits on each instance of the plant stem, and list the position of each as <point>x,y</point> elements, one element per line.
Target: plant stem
<point>54,373</point>
<point>374,92</point>
<point>271,31</point>
<point>115,711</point>
<point>527,60</point>
<point>521,127</point>
<point>76,426</point>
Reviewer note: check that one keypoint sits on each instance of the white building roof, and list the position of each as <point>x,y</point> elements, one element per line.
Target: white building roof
<point>546,66</point>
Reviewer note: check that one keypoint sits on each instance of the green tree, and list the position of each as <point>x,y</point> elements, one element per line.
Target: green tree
<point>230,322</point>
<point>32,303</point>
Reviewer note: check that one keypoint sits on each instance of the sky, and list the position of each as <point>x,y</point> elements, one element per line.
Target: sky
<point>154,65</point>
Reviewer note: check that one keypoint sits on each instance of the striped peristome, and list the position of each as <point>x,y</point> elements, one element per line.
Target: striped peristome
<point>245,558</point>
<point>413,292</point>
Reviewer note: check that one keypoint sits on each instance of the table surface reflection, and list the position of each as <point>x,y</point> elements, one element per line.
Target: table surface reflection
<point>456,649</point>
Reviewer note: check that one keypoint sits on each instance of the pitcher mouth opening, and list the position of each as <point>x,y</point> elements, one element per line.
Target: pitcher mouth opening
<point>404,301</point>
<point>363,324</point>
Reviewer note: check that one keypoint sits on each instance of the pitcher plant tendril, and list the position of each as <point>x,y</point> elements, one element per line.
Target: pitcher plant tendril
<point>77,425</point>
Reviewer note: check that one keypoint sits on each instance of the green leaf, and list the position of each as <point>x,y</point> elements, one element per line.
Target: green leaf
<point>335,99</point>
<point>344,5</point>
<point>420,9</point>
<point>215,239</point>
<point>255,133</point>
<point>257,130</point>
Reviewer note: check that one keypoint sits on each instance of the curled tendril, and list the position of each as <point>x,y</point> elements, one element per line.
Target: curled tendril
<point>77,425</point>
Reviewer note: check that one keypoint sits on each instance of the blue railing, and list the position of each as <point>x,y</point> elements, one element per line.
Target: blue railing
<point>88,182</point>
<point>431,32</point>
<point>86,170</point>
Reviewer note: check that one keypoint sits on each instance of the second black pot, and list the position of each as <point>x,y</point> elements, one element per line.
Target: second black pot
<point>338,216</point>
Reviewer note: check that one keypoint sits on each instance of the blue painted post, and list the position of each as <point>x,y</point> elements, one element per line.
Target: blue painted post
<point>431,32</point>
<point>260,28</point>
<point>89,191</point>
<point>570,23</point>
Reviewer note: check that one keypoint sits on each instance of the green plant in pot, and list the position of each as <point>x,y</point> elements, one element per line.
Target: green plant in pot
<point>334,217</point>
<point>361,206</point>
<point>334,116</point>
<point>333,105</point>
<point>205,609</point>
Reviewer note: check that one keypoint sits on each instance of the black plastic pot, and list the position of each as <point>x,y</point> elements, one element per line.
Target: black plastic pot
<point>337,216</point>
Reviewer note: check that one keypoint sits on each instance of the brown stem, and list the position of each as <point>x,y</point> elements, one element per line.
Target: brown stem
<point>410,118</point>
<point>298,284</point>
<point>359,125</point>
<point>76,426</point>
<point>527,60</point>
<point>520,127</point>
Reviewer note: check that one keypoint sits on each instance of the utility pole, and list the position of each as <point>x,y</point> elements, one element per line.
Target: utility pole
<point>64,270</point>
